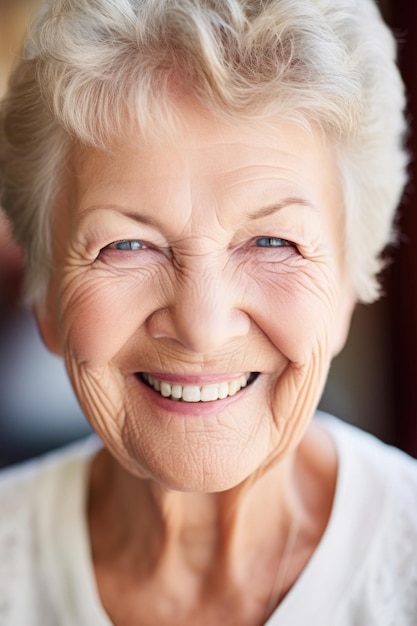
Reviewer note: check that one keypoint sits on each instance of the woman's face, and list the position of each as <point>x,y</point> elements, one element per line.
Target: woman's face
<point>187,268</point>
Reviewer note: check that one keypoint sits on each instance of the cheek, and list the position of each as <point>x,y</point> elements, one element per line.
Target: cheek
<point>296,309</point>
<point>102,311</point>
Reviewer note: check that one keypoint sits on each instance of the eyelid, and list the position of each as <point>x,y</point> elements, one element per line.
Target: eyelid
<point>145,246</point>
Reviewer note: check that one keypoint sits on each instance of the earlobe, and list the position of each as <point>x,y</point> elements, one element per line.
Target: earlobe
<point>47,327</point>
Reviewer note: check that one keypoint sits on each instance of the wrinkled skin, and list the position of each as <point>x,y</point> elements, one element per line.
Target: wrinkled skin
<point>237,267</point>
<point>201,297</point>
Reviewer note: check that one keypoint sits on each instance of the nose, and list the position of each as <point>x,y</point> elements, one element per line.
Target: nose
<point>203,316</point>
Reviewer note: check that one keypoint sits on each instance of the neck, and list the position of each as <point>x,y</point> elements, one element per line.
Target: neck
<point>233,537</point>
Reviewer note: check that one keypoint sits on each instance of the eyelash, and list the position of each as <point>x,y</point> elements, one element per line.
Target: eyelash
<point>126,245</point>
<point>132,245</point>
<point>273,242</point>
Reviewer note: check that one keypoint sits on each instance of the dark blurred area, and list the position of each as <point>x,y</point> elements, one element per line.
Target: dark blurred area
<point>371,384</point>
<point>38,410</point>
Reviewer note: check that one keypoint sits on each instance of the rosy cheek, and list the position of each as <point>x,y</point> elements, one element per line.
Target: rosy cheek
<point>295,310</point>
<point>101,314</point>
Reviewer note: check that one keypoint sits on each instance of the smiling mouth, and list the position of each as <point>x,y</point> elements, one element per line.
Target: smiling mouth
<point>198,393</point>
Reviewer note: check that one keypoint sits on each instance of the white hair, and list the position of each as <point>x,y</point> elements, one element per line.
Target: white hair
<point>89,63</point>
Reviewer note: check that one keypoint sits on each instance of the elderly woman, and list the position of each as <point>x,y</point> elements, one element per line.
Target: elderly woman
<point>203,189</point>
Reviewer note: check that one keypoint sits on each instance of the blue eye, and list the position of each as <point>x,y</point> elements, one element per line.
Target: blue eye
<point>133,244</point>
<point>272,242</point>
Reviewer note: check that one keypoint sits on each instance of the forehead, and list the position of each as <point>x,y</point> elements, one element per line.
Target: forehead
<point>205,159</point>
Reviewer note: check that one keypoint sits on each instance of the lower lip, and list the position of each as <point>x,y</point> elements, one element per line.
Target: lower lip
<point>193,408</point>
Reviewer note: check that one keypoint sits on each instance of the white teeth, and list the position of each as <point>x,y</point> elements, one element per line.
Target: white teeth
<point>195,393</point>
<point>234,387</point>
<point>191,393</point>
<point>165,389</point>
<point>223,390</point>
<point>209,393</point>
<point>176,392</point>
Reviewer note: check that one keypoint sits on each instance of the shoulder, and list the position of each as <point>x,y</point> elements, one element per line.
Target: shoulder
<point>384,463</point>
<point>383,480</point>
<point>25,494</point>
<point>22,486</point>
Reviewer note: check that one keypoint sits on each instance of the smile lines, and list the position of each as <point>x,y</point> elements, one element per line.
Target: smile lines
<point>198,393</point>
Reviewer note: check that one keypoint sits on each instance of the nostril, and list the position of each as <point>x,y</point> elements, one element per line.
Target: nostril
<point>159,324</point>
<point>198,330</point>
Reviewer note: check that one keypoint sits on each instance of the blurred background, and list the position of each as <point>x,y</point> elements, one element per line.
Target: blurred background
<point>372,384</point>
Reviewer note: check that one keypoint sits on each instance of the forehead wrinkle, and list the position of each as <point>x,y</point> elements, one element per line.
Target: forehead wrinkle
<point>256,173</point>
<point>274,188</point>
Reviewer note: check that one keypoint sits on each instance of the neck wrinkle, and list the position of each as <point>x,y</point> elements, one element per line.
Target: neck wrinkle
<point>204,532</point>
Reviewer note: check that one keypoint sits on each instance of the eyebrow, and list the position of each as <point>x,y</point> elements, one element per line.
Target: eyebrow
<point>278,206</point>
<point>131,214</point>
<point>253,215</point>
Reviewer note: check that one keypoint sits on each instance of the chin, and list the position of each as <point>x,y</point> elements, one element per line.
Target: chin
<point>206,468</point>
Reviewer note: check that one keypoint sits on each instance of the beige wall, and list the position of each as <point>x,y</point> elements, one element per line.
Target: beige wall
<point>14,16</point>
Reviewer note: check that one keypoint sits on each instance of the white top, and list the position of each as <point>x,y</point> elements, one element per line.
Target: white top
<point>363,573</point>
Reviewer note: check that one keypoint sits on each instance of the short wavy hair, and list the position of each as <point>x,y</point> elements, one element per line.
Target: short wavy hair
<point>88,63</point>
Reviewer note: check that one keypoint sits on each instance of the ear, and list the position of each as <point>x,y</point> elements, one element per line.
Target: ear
<point>345,312</point>
<point>46,319</point>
